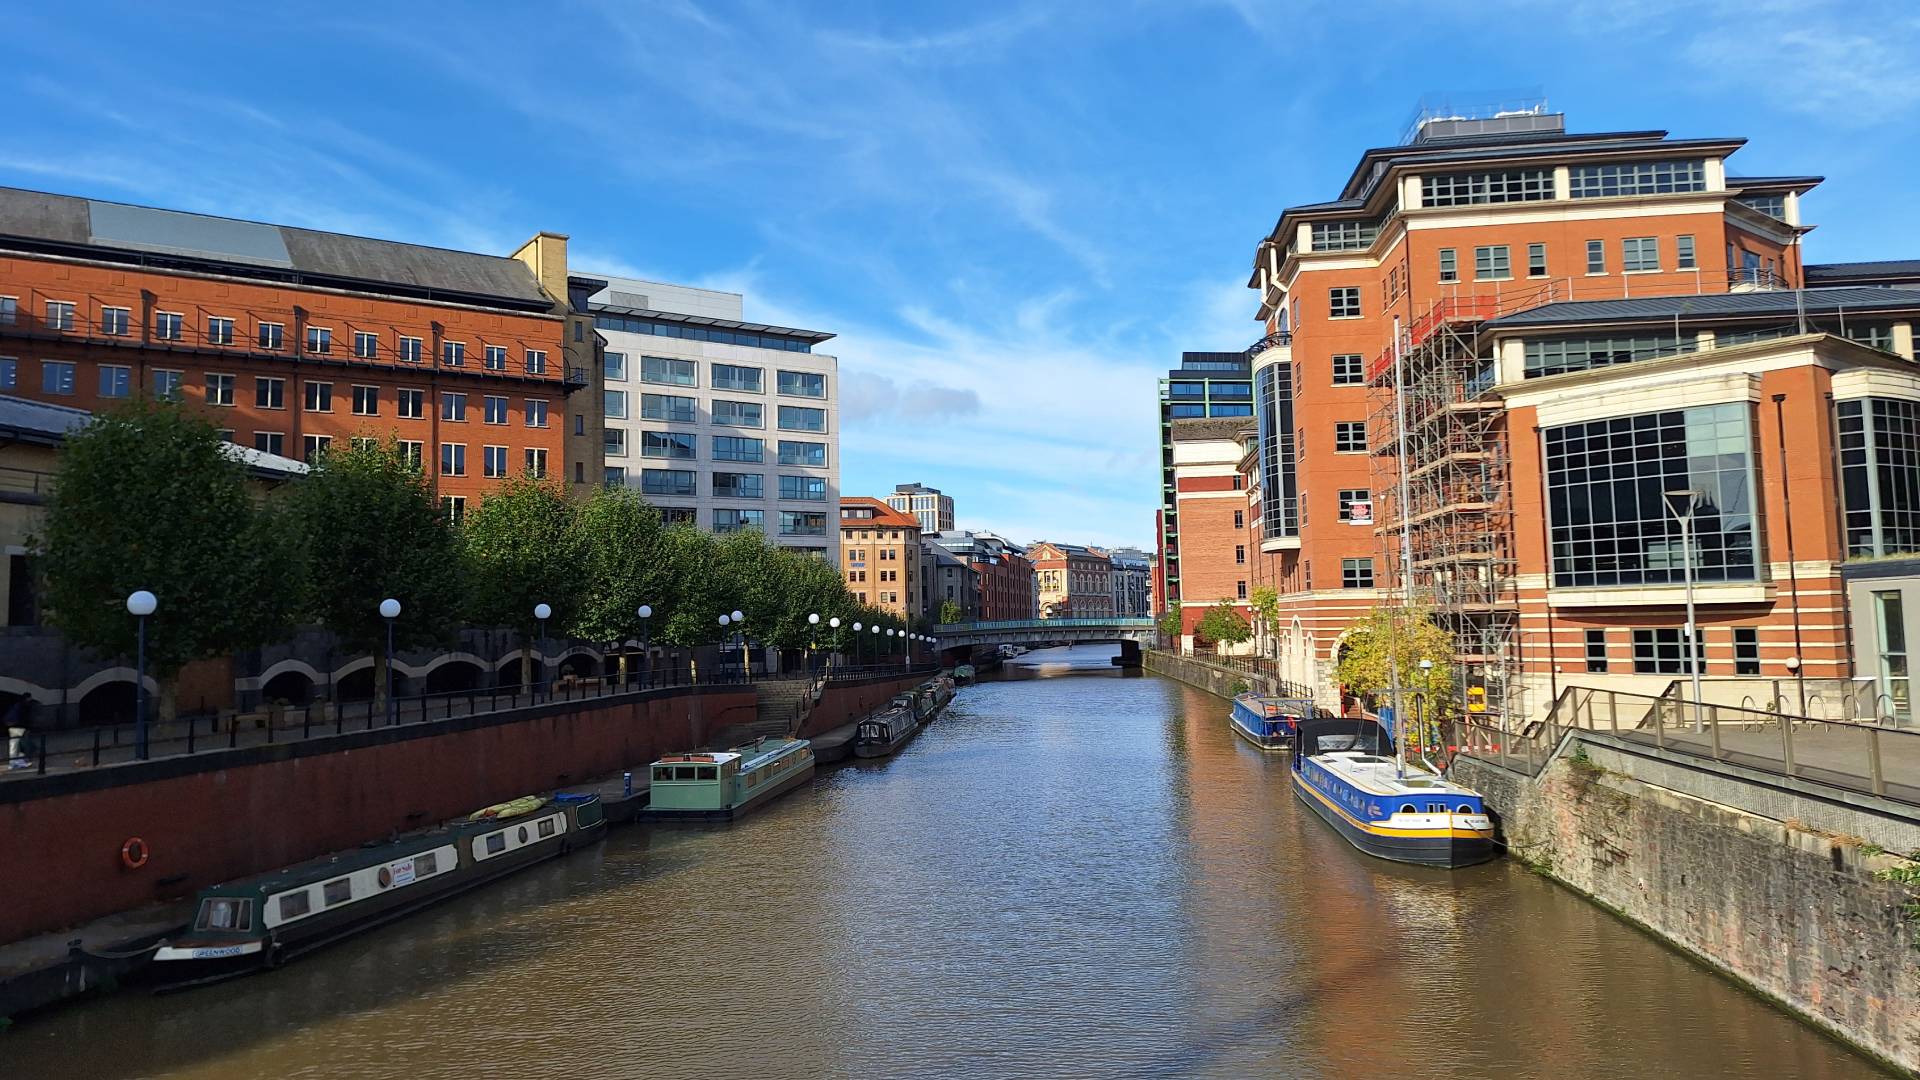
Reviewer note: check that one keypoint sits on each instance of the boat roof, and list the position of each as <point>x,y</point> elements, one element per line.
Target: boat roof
<point>770,749</point>
<point>717,758</point>
<point>1376,774</point>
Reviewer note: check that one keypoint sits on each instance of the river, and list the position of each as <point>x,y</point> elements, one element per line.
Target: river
<point>1074,873</point>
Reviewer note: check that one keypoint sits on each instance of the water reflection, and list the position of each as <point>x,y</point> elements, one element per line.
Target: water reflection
<point>1077,872</point>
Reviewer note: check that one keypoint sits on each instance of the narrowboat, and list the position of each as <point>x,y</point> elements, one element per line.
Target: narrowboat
<point>1268,722</point>
<point>262,922</point>
<point>885,732</point>
<point>1382,808</point>
<point>963,674</point>
<point>723,785</point>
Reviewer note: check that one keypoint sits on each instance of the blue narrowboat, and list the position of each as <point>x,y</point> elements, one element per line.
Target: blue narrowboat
<point>1380,807</point>
<point>1268,722</point>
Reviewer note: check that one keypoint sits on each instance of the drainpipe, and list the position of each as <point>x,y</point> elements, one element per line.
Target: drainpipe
<point>1793,569</point>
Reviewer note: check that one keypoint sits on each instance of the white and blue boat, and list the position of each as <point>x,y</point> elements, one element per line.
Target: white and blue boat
<point>1268,722</point>
<point>1380,806</point>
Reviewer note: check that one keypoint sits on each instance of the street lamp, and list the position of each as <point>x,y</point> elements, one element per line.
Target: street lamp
<point>813,631</point>
<point>140,604</point>
<point>1681,504</point>
<point>739,624</point>
<point>390,610</point>
<point>542,612</point>
<point>646,644</point>
<point>834,623</point>
<point>1420,700</point>
<point>1800,677</point>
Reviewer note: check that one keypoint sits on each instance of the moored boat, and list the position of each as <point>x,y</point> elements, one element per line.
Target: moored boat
<point>963,674</point>
<point>1381,807</point>
<point>887,731</point>
<point>723,785</point>
<point>1267,722</point>
<point>261,922</point>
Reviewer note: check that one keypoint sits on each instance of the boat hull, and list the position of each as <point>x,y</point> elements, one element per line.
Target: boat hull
<point>728,813</point>
<point>1274,744</point>
<point>1455,849</point>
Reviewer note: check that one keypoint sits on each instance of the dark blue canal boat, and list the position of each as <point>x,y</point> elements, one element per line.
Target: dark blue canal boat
<point>1381,807</point>
<point>1268,722</point>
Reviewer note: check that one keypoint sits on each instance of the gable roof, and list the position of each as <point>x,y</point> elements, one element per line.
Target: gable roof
<point>883,515</point>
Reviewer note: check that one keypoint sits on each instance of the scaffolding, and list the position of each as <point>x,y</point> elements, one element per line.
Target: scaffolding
<point>1458,507</point>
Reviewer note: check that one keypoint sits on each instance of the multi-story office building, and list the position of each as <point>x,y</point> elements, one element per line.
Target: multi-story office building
<point>1523,355</point>
<point>934,510</point>
<point>1205,384</point>
<point>1132,570</point>
<point>947,579</point>
<point>1002,570</point>
<point>880,554</point>
<point>722,423</point>
<point>1075,582</point>
<point>291,340</point>
<point>1216,518</point>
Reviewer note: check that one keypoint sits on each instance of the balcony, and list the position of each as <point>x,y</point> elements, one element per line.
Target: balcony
<point>1272,349</point>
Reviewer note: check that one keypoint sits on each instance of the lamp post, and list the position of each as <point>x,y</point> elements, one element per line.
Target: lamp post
<point>1420,700</point>
<point>835,624</point>
<point>1800,677</point>
<point>542,612</point>
<point>740,625</point>
<point>140,604</point>
<point>889,645</point>
<point>1681,505</point>
<point>645,612</point>
<point>813,630</point>
<point>856,642</point>
<point>390,610</point>
<point>724,621</point>
<point>876,643</point>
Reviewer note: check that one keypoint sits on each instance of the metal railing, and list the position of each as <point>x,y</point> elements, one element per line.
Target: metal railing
<point>1258,666</point>
<point>1118,623</point>
<point>1861,757</point>
<point>29,482</point>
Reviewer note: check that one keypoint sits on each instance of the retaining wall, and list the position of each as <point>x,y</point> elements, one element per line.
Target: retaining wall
<point>1795,913</point>
<point>845,702</point>
<point>1214,680</point>
<point>224,814</point>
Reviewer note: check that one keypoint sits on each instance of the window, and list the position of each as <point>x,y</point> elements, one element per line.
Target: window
<point>668,481</point>
<point>1640,253</point>
<point>798,418</point>
<point>1239,519</point>
<point>1596,651</point>
<point>614,442</point>
<point>366,345</point>
<point>494,409</point>
<point>9,310</point>
<point>1596,256</point>
<point>1552,356</point>
<point>319,396</point>
<point>453,353</point>
<point>1356,573</point>
<point>1637,178</point>
<point>536,361</point>
<point>219,330</point>
<point>738,413</point>
<point>1350,496</point>
<point>9,372</point>
<point>167,325</point>
<point>1473,189</point>
<point>1609,523</point>
<point>319,339</point>
<point>1349,369</point>
<point>271,335</point>
<point>366,401</point>
<point>728,485</point>
<point>494,358</point>
<point>493,462</point>
<point>736,448</point>
<point>1240,554</point>
<point>616,475</point>
<point>1536,260</point>
<point>455,507</point>
<point>166,384</point>
<point>805,488</point>
<point>1683,253</point>
<point>665,444</point>
<point>803,453</point>
<point>1350,437</point>
<point>1664,652</point>
<point>411,404</point>
<point>733,377</point>
<point>453,459</point>
<point>1241,588</point>
<point>115,320</point>
<point>537,462</point>
<point>615,404</point>
<point>315,447</point>
<point>802,523</point>
<point>270,442</point>
<point>676,515</point>
<point>411,349</point>
<point>1343,302</point>
<point>220,389</point>
<point>412,452</point>
<point>669,407</point>
<point>728,520</point>
<point>536,413</point>
<point>453,407</point>
<point>1449,265</point>
<point>425,865</point>
<point>660,369</point>
<point>803,384</point>
<point>1344,235</point>
<point>115,381</point>
<point>1746,650</point>
<point>56,377</point>
<point>1880,475</point>
<point>579,424</point>
<point>1492,263</point>
<point>613,366</point>
<point>294,905</point>
<point>59,315</point>
<point>1896,682</point>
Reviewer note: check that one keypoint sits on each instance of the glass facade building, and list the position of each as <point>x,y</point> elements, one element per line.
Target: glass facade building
<point>1205,384</point>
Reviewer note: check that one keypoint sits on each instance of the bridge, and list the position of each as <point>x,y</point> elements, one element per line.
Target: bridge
<point>1136,632</point>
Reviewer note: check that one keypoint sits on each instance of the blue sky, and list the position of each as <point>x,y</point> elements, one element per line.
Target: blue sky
<point>1016,215</point>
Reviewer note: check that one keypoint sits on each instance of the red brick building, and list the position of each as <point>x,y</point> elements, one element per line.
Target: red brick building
<point>1211,500</point>
<point>1074,582</point>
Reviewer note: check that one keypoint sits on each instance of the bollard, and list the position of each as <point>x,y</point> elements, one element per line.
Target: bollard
<point>1873,761</point>
<point>626,784</point>
<point>1613,710</point>
<point>1714,723</point>
<point>1786,742</point>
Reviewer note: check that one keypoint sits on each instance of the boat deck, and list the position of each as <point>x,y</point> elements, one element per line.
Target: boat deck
<point>1377,775</point>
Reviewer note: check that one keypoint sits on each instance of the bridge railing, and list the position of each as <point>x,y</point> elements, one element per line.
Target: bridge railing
<point>1043,624</point>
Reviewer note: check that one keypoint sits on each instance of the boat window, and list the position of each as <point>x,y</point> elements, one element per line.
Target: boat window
<point>337,891</point>
<point>295,904</point>
<point>1436,808</point>
<point>683,772</point>
<point>496,843</point>
<point>1465,808</point>
<point>424,865</point>
<point>1407,808</point>
<point>546,826</point>
<point>708,772</point>
<point>523,834</point>
<point>663,772</point>
<point>225,913</point>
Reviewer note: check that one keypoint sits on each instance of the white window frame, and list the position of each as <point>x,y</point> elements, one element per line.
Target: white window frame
<point>375,410</point>
<point>404,394</point>
<point>108,323</point>
<point>219,330</point>
<point>320,340</point>
<point>308,394</point>
<point>535,408</point>
<point>229,386</point>
<point>371,339</point>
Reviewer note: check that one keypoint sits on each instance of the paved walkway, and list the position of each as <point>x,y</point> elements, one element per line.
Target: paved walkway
<point>1836,754</point>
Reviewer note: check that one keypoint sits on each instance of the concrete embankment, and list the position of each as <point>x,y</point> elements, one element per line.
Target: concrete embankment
<point>1213,679</point>
<point>1770,881</point>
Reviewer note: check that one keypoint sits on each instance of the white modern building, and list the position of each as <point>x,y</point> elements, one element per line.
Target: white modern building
<point>934,510</point>
<point>720,422</point>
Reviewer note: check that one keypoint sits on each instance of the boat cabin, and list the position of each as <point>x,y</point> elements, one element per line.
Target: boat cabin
<point>693,781</point>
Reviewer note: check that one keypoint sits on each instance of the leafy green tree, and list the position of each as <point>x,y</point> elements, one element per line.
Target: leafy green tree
<point>1409,636</point>
<point>370,528</point>
<point>1222,624</point>
<point>625,562</point>
<point>1170,621</point>
<point>148,496</point>
<point>689,555</point>
<point>520,553</point>
<point>951,612</point>
<point>1266,609</point>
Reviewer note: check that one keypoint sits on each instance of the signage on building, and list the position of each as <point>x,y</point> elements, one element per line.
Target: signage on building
<point>1360,512</point>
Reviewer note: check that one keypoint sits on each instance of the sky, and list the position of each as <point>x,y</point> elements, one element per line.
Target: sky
<point>1015,216</point>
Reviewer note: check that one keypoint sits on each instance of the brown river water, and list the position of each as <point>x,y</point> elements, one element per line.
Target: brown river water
<point>1074,873</point>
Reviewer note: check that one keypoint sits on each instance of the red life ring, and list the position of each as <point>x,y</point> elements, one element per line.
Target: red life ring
<point>134,853</point>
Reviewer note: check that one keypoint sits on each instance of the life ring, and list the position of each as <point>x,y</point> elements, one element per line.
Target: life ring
<point>134,853</point>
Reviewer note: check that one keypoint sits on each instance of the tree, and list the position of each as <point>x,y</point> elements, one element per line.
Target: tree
<point>625,562</point>
<point>951,612</point>
<point>1222,624</point>
<point>520,554</point>
<point>370,528</point>
<point>1170,621</point>
<point>1266,609</point>
<point>148,496</point>
<point>689,555</point>
<point>1407,636</point>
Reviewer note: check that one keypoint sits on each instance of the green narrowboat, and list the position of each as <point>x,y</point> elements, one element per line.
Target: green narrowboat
<point>723,785</point>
